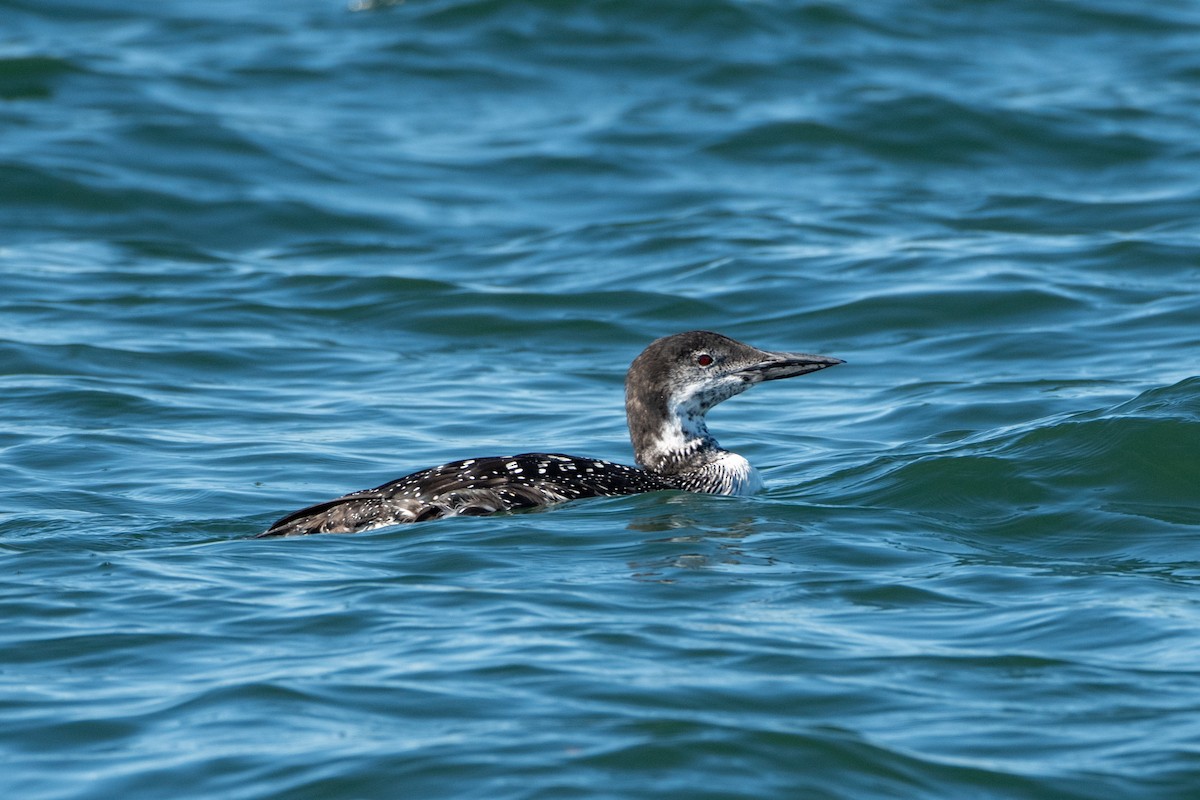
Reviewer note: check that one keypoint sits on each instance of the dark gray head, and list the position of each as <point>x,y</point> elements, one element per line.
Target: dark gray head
<point>677,379</point>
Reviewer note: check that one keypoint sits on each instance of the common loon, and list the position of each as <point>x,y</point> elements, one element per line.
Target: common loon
<point>668,390</point>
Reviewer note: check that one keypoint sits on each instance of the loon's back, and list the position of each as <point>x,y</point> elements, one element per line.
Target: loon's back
<point>472,487</point>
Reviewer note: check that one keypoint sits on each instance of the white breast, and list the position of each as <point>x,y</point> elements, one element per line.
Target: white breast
<point>737,475</point>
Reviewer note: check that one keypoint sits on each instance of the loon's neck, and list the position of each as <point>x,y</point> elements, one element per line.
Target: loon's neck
<point>670,439</point>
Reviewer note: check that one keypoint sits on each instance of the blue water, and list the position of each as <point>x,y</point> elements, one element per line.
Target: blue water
<point>256,255</point>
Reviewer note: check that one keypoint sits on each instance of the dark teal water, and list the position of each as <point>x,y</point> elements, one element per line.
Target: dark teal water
<point>255,255</point>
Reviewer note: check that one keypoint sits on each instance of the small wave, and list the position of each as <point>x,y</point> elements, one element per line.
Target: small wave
<point>1128,459</point>
<point>32,77</point>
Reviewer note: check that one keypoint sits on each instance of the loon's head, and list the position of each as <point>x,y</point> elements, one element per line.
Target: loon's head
<point>677,379</point>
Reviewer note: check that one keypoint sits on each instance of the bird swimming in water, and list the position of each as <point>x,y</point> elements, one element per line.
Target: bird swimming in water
<point>668,390</point>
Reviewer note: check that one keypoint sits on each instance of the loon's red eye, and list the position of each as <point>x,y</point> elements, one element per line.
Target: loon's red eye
<point>704,359</point>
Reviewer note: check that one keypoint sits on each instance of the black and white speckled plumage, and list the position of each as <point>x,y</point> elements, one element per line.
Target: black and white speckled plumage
<point>472,487</point>
<point>668,390</point>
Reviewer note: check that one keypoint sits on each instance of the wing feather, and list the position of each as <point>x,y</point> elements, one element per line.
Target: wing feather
<point>473,487</point>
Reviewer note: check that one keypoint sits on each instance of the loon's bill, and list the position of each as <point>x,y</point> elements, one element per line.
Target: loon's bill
<point>668,390</point>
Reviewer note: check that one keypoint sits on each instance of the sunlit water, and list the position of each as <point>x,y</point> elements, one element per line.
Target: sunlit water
<point>253,256</point>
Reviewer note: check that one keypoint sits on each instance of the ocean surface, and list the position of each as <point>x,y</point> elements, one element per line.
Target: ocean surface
<point>256,255</point>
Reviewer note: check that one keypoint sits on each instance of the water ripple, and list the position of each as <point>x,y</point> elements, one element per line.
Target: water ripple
<point>255,256</point>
